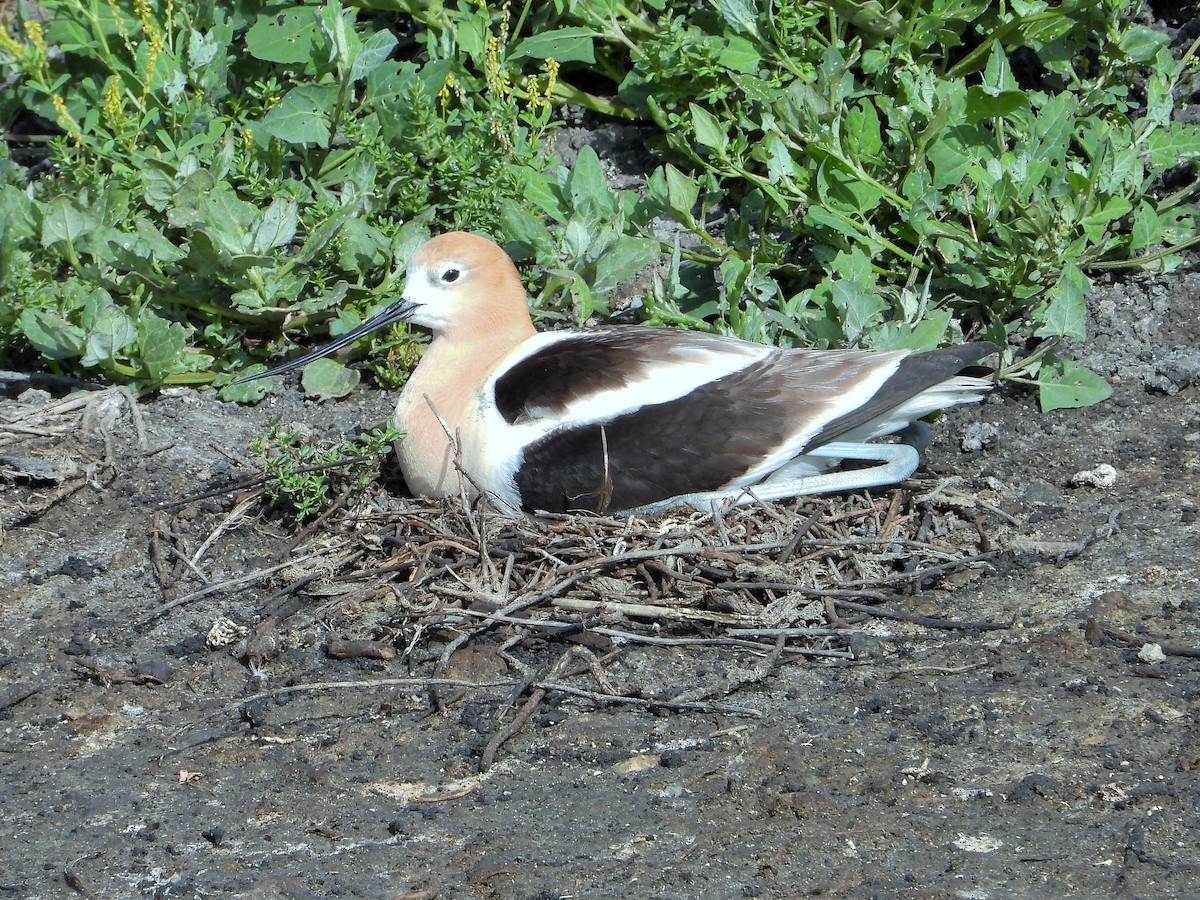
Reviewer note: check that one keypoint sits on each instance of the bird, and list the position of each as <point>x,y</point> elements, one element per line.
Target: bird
<point>634,418</point>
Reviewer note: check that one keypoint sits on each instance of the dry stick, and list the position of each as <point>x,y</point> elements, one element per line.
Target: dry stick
<point>409,682</point>
<point>646,611</point>
<point>1168,648</point>
<point>136,414</point>
<point>227,523</point>
<point>183,558</point>
<point>801,589</point>
<point>926,621</point>
<point>605,562</point>
<point>516,606</point>
<point>521,718</point>
<point>254,576</point>
<point>801,533</point>
<point>566,629</point>
<point>653,704</point>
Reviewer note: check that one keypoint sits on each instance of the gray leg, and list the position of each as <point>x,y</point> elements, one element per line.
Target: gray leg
<point>898,461</point>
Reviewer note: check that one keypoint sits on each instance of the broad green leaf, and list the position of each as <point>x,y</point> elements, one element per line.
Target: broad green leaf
<point>1066,316</point>
<point>1070,386</point>
<point>160,248</point>
<point>590,194</point>
<point>324,233</point>
<point>1178,144</point>
<point>374,51</point>
<point>860,308</point>
<point>573,44</point>
<point>1141,43</point>
<point>247,392</point>
<point>53,336</point>
<point>301,116</point>
<point>228,221</point>
<point>328,379</point>
<point>525,232</point>
<point>739,55</point>
<point>1147,229</point>
<point>161,344</point>
<point>986,104</point>
<point>66,222</point>
<point>544,194</point>
<point>682,193</point>
<point>741,15</point>
<point>110,333</point>
<point>623,261</point>
<point>277,227</point>
<point>709,131</point>
<point>283,37</point>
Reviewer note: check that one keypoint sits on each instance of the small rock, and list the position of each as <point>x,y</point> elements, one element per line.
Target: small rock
<point>1152,653</point>
<point>1164,714</point>
<point>1041,493</point>
<point>978,843</point>
<point>639,763</point>
<point>1103,476</point>
<point>978,435</point>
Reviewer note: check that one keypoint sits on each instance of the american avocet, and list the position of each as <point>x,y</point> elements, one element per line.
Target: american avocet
<point>636,418</point>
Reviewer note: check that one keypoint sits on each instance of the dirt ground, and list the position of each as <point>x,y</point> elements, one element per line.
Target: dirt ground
<point>187,729</point>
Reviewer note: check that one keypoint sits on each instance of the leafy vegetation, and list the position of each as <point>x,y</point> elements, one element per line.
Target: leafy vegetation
<point>303,479</point>
<point>216,183</point>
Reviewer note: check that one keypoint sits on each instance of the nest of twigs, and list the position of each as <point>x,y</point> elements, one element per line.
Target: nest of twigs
<point>558,597</point>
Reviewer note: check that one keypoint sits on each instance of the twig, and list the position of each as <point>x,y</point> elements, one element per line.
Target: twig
<point>726,708</point>
<point>257,575</point>
<point>926,621</point>
<point>1169,648</point>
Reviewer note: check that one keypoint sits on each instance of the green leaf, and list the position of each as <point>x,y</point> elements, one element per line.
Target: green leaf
<point>1178,144</point>
<point>374,51</point>
<point>110,333</point>
<point>1141,43</point>
<point>682,193</point>
<point>1066,315</point>
<point>709,131</point>
<point>1147,229</point>
<point>623,261</point>
<point>573,44</point>
<point>328,379</point>
<point>300,117</point>
<point>1065,385</point>
<point>228,220</point>
<point>740,14</point>
<point>526,232</point>
<point>161,344</point>
<point>66,222</point>
<point>53,336</point>
<point>284,37</point>
<point>160,248</point>
<point>983,103</point>
<point>278,226</point>
<point>590,194</point>
<point>247,392</point>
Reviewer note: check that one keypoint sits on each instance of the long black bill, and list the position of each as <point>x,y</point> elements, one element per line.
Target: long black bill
<point>397,312</point>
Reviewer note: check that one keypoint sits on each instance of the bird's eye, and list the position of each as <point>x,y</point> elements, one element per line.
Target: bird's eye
<point>450,276</point>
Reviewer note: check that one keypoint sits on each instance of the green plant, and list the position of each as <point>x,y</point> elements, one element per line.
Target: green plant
<point>304,479</point>
<point>882,174</point>
<point>201,209</point>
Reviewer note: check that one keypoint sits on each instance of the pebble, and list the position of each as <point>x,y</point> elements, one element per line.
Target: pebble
<point>1102,476</point>
<point>1152,653</point>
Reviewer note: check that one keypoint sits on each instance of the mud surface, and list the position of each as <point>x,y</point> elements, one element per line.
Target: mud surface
<point>1058,756</point>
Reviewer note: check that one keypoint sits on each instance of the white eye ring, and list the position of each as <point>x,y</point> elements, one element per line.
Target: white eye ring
<point>451,275</point>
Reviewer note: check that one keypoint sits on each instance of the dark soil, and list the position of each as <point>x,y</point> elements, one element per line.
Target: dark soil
<point>1058,756</point>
